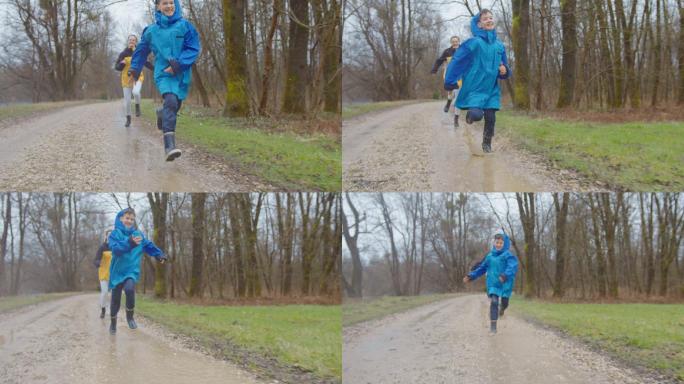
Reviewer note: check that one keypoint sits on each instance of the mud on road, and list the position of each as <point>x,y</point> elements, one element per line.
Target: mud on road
<point>448,342</point>
<point>417,148</point>
<point>65,341</point>
<point>86,148</point>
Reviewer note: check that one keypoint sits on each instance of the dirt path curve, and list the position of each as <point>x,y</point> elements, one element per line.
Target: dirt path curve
<point>87,148</point>
<point>65,341</point>
<point>416,148</point>
<point>448,342</point>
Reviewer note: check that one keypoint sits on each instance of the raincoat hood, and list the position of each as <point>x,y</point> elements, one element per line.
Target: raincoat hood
<point>488,36</point>
<point>118,224</point>
<point>165,21</point>
<point>506,246</point>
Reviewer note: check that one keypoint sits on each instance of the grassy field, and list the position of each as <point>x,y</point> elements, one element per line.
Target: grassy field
<point>14,111</point>
<point>11,303</point>
<point>305,336</point>
<point>285,159</point>
<point>634,156</point>
<point>357,311</point>
<point>650,335</point>
<point>353,110</point>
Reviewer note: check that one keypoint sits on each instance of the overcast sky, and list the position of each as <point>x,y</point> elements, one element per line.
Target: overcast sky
<point>375,240</point>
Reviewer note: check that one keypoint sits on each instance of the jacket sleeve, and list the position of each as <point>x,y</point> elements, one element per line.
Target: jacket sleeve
<point>480,270</point>
<point>117,65</point>
<point>151,249</point>
<point>440,61</point>
<point>504,61</point>
<point>189,52</point>
<point>511,266</point>
<point>142,50</point>
<point>460,62</point>
<point>119,243</point>
<point>98,256</point>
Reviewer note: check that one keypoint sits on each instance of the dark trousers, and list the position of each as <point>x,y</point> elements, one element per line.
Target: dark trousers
<point>127,286</point>
<point>170,110</point>
<point>490,120</point>
<point>494,306</point>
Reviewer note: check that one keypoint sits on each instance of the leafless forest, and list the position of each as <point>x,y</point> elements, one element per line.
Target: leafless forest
<point>583,246</point>
<point>596,54</point>
<point>220,246</point>
<point>259,57</point>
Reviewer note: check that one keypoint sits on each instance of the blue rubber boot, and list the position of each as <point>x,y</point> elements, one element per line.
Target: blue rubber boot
<point>170,146</point>
<point>130,320</point>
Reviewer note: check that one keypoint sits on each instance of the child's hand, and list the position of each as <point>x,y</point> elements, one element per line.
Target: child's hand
<point>466,278</point>
<point>137,239</point>
<point>502,278</point>
<point>502,69</point>
<point>169,70</point>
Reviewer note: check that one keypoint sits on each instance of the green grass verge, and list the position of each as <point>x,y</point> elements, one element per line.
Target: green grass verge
<point>353,110</point>
<point>306,336</point>
<point>357,311</point>
<point>285,159</point>
<point>651,335</point>
<point>13,111</point>
<point>11,303</point>
<point>636,156</point>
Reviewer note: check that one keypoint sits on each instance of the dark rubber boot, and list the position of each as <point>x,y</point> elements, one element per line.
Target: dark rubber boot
<point>492,327</point>
<point>102,314</point>
<point>455,121</point>
<point>487,144</point>
<point>112,326</point>
<point>137,110</point>
<point>159,118</point>
<point>130,320</point>
<point>170,146</point>
<point>446,107</point>
<point>128,121</point>
<point>501,311</point>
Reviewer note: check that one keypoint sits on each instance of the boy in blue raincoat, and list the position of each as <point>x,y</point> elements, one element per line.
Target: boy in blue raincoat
<point>175,44</point>
<point>501,267</point>
<point>479,62</point>
<point>127,244</point>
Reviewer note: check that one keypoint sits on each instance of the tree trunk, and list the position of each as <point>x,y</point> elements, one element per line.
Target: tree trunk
<point>297,69</point>
<point>237,100</point>
<point>198,229</point>
<point>569,45</point>
<point>521,22</point>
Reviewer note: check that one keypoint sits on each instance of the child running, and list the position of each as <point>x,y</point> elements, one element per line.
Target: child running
<point>103,258</point>
<point>479,61</point>
<point>446,57</point>
<point>175,44</point>
<point>501,267</point>
<point>127,244</point>
<point>123,63</point>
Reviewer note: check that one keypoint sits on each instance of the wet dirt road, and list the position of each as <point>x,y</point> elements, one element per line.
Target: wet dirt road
<point>65,341</point>
<point>87,148</point>
<point>416,148</point>
<point>449,342</point>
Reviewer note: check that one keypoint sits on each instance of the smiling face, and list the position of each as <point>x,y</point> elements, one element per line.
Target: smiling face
<point>455,42</point>
<point>167,7</point>
<point>128,219</point>
<point>132,41</point>
<point>486,21</point>
<point>498,243</point>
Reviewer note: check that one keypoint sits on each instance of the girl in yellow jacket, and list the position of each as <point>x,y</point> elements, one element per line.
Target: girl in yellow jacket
<point>103,259</point>
<point>123,63</point>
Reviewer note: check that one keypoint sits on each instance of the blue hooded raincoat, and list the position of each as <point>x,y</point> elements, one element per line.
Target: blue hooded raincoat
<point>495,264</point>
<point>175,43</point>
<point>477,62</point>
<point>125,254</point>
